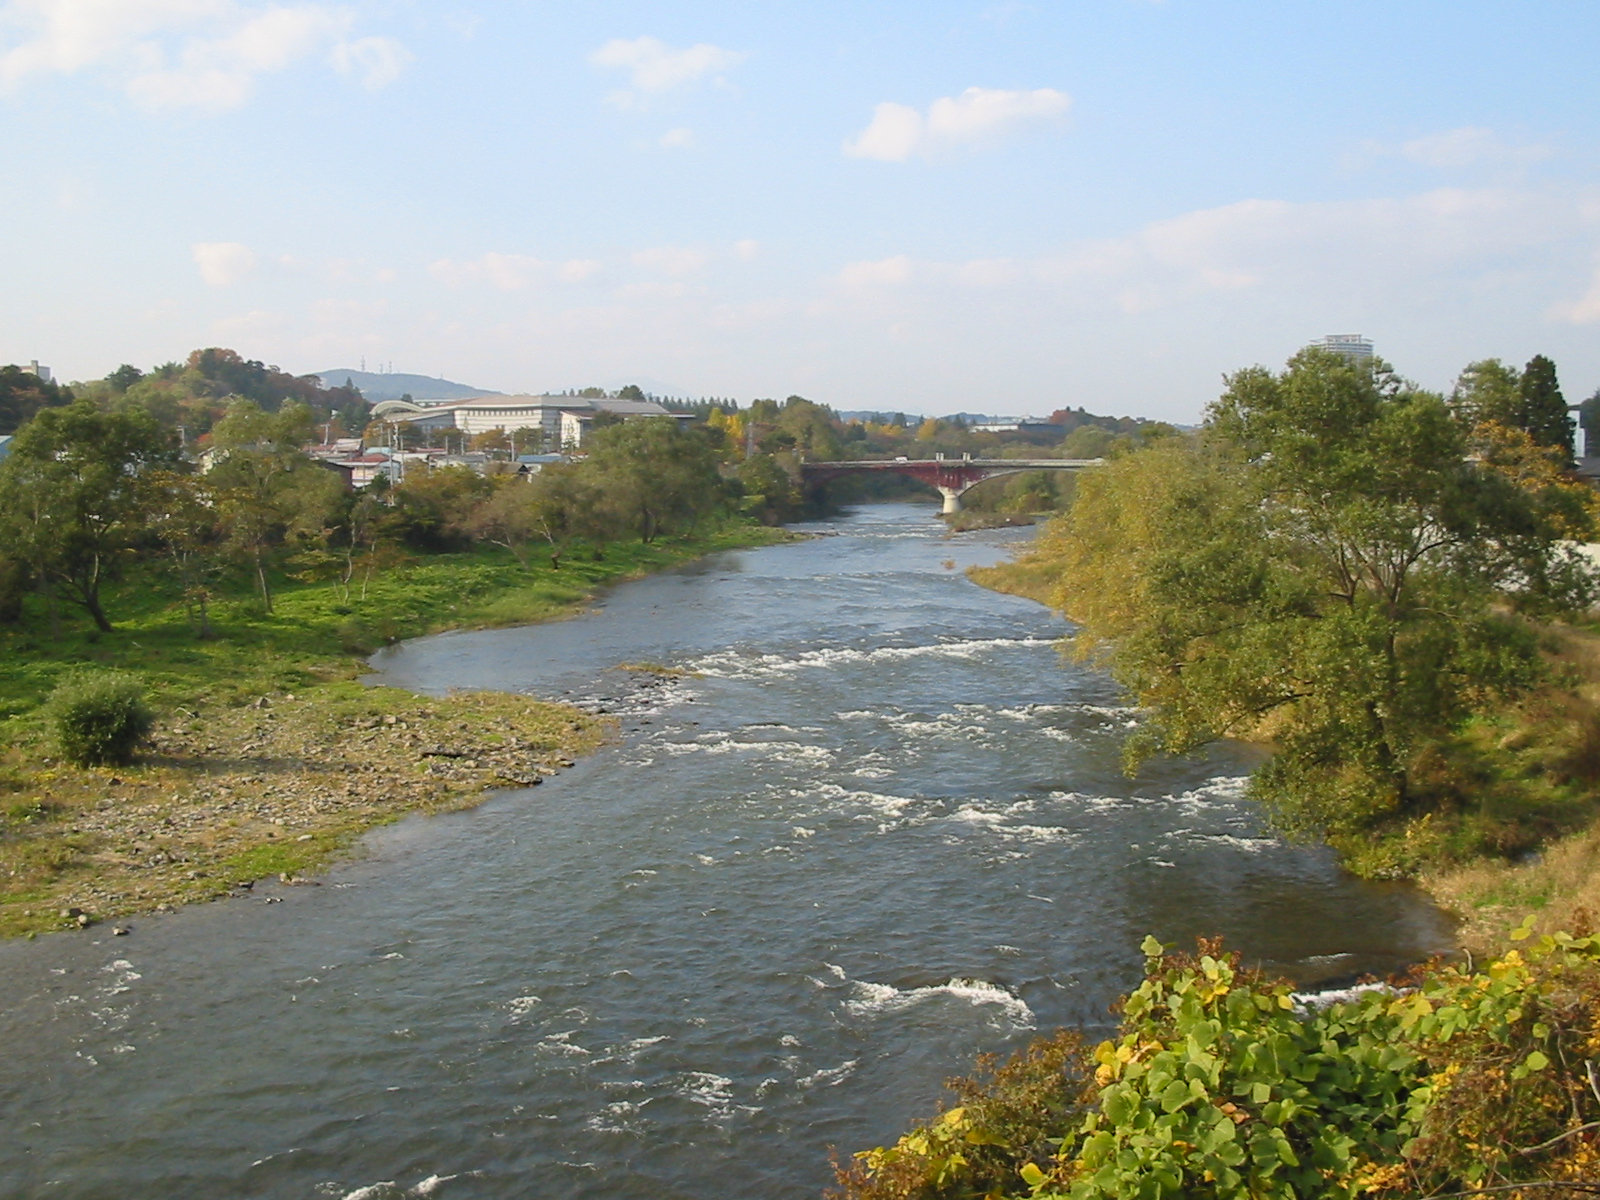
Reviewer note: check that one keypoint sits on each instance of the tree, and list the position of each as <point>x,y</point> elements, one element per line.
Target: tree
<point>1542,408</point>
<point>432,508</point>
<point>658,477</point>
<point>72,495</point>
<point>556,507</point>
<point>124,377</point>
<point>1488,390</point>
<point>1530,400</point>
<point>1330,567</point>
<point>23,393</point>
<point>770,492</point>
<point>270,494</point>
<point>184,516</point>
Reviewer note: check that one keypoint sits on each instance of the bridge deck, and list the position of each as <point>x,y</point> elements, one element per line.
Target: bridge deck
<point>990,464</point>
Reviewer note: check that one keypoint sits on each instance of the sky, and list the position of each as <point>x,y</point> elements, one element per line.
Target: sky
<point>930,207</point>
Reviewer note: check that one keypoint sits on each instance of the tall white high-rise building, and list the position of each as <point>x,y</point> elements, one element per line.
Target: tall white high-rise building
<point>1351,347</point>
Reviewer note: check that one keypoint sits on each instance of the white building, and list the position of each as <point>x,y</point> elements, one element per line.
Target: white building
<point>563,420</point>
<point>1351,347</point>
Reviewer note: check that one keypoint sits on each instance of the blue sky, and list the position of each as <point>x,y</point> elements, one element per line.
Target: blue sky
<point>932,207</point>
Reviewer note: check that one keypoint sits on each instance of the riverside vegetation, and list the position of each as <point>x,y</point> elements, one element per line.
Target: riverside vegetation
<point>223,617</point>
<point>241,597</point>
<point>1385,587</point>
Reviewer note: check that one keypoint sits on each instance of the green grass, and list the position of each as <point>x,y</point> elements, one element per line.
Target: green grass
<point>315,633</point>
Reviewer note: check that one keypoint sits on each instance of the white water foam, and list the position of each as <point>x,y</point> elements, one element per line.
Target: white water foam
<point>389,1190</point>
<point>878,999</point>
<point>732,664</point>
<point>713,1092</point>
<point>1310,1001</point>
<point>832,1077</point>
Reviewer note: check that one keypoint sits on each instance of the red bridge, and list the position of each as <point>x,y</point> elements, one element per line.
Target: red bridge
<point>951,476</point>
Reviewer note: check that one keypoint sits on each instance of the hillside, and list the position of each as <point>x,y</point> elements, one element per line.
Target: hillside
<point>376,387</point>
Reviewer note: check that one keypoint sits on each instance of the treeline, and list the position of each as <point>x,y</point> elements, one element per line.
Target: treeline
<point>190,396</point>
<point>1360,573</point>
<point>94,492</point>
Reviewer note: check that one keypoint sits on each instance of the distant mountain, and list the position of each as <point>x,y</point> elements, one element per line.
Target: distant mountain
<point>375,387</point>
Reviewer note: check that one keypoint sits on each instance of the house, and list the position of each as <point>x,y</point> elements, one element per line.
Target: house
<point>359,470</point>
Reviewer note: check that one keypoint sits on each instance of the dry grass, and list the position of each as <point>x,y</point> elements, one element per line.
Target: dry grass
<point>1030,578</point>
<point>1559,889</point>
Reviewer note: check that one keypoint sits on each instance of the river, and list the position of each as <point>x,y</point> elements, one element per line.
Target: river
<point>878,828</point>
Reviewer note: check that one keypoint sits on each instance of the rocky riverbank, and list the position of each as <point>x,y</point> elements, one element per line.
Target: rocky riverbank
<point>277,785</point>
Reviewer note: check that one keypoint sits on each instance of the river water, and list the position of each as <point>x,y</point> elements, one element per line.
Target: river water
<point>879,829</point>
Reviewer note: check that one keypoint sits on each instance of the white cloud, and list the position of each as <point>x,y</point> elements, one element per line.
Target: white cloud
<point>747,248</point>
<point>204,54</point>
<point>378,60</point>
<point>671,260</point>
<point>508,272</point>
<point>1583,311</point>
<point>248,327</point>
<point>578,270</point>
<point>677,139</point>
<point>1471,145</point>
<point>656,66</point>
<point>884,271</point>
<point>223,264</point>
<point>977,115</point>
<point>1436,250</point>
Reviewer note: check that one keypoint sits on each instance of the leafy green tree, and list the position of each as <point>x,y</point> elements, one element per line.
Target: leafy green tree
<point>124,377</point>
<point>183,514</point>
<point>72,495</point>
<point>1329,567</point>
<point>770,492</point>
<point>657,477</point>
<point>1492,392</point>
<point>556,507</point>
<point>1091,441</point>
<point>271,497</point>
<point>23,393</point>
<point>432,508</point>
<point>1542,407</point>
<point>1486,391</point>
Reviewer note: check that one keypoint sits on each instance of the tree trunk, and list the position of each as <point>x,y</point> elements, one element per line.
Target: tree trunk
<point>91,602</point>
<point>261,580</point>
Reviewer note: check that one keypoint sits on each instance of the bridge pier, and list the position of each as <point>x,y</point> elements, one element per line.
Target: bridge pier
<point>952,498</point>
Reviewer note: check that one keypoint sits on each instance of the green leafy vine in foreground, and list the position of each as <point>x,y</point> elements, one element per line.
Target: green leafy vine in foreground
<point>1222,1084</point>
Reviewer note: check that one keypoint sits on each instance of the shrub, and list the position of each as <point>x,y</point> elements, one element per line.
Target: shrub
<point>1223,1085</point>
<point>99,716</point>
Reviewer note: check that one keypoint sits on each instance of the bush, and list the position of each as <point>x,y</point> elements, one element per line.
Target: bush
<point>1223,1085</point>
<point>99,716</point>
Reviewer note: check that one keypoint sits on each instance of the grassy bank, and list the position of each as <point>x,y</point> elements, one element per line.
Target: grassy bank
<point>268,757</point>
